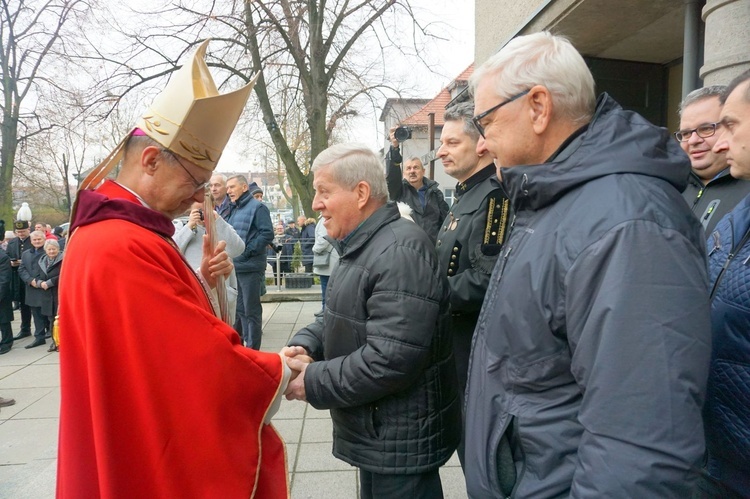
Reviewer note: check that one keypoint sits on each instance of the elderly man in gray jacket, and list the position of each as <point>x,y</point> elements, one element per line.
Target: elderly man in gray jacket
<point>383,361</point>
<point>589,363</point>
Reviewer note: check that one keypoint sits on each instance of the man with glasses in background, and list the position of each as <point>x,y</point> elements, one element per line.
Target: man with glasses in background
<point>711,192</point>
<point>589,362</point>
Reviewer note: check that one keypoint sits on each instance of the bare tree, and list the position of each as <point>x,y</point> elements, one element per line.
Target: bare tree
<point>30,31</point>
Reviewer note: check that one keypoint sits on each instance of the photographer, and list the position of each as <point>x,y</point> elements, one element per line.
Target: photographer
<point>423,195</point>
<point>189,240</point>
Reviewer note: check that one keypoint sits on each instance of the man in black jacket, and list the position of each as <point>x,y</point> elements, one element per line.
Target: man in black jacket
<point>382,353</point>
<point>423,195</point>
<point>16,247</point>
<point>711,192</point>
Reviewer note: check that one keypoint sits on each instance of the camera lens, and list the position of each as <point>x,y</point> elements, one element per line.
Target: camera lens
<point>402,133</point>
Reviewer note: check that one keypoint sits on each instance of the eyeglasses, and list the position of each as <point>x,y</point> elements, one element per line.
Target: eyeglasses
<point>703,131</point>
<point>479,117</point>
<point>199,186</point>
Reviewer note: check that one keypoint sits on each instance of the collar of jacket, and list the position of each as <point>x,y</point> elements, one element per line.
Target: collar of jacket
<point>364,232</point>
<point>243,199</point>
<point>615,142</point>
<point>476,179</point>
<point>719,178</point>
<point>430,184</point>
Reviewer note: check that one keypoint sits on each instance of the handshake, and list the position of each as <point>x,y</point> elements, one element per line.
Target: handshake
<point>297,359</point>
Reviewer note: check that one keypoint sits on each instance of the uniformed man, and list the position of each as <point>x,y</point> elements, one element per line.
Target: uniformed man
<point>472,234</point>
<point>16,247</point>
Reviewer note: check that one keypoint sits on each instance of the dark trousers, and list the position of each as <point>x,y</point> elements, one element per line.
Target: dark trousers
<point>25,310</point>
<point>419,486</point>
<point>323,286</point>
<point>249,310</point>
<point>6,340</point>
<point>40,323</point>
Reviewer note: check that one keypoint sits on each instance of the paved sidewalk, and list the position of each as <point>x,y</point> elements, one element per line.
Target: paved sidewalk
<point>28,430</point>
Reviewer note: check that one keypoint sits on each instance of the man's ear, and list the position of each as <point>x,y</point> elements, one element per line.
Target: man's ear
<point>149,159</point>
<point>362,190</point>
<point>540,108</point>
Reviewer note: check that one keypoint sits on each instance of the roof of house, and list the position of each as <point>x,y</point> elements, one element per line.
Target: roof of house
<point>438,104</point>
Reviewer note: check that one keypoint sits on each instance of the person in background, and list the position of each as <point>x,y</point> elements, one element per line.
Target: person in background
<point>256,191</point>
<point>307,241</point>
<point>727,411</point>
<point>189,239</point>
<point>61,236</point>
<point>421,194</point>
<point>49,278</point>
<point>16,247</point>
<point>218,187</point>
<point>711,192</point>
<point>289,241</point>
<point>589,362</point>
<point>6,298</point>
<point>251,220</point>
<point>325,259</point>
<point>30,273</point>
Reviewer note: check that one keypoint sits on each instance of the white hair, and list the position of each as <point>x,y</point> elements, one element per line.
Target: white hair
<point>354,163</point>
<point>542,59</point>
<point>51,242</point>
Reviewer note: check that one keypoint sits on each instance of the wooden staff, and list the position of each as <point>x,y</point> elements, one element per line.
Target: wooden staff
<point>221,288</point>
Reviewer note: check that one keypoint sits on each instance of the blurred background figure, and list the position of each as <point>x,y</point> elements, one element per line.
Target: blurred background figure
<point>61,236</point>
<point>307,241</point>
<point>15,249</point>
<point>325,259</point>
<point>6,298</point>
<point>275,252</point>
<point>189,239</point>
<point>30,273</point>
<point>49,277</point>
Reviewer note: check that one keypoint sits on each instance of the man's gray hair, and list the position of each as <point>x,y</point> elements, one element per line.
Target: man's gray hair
<point>542,59</point>
<point>463,111</point>
<point>354,163</point>
<point>221,176</point>
<point>700,94</point>
<point>241,179</point>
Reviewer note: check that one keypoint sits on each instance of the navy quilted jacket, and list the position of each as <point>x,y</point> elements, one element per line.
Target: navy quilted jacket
<point>727,411</point>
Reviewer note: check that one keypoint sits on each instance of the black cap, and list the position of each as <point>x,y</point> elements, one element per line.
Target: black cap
<point>20,224</point>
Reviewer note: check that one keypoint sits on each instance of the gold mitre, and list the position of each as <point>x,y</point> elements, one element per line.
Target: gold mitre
<point>188,117</point>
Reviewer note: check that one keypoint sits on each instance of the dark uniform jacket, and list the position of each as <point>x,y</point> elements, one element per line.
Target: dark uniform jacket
<point>6,299</point>
<point>590,358</point>
<point>712,201</point>
<point>28,271</point>
<point>435,209</point>
<point>468,245</point>
<point>15,249</point>
<point>384,365</point>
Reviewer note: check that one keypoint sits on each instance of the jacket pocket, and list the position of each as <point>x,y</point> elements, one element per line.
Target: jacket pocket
<point>501,460</point>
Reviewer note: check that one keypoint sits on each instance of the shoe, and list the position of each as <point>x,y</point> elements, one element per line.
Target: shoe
<point>52,348</point>
<point>21,335</point>
<point>4,350</point>
<point>37,343</point>
<point>6,402</point>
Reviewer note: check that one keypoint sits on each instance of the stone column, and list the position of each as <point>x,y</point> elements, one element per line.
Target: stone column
<point>727,40</point>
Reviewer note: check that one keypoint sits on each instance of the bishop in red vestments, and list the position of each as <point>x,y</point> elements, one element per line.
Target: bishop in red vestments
<point>159,397</point>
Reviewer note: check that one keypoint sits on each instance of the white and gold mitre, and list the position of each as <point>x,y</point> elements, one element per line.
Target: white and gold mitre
<point>189,117</point>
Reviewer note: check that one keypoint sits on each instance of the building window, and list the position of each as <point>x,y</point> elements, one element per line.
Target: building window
<point>449,193</point>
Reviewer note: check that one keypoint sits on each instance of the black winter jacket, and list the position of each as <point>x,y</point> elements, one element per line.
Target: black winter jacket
<point>712,201</point>
<point>384,365</point>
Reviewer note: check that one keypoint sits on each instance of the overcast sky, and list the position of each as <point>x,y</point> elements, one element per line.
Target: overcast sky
<point>454,21</point>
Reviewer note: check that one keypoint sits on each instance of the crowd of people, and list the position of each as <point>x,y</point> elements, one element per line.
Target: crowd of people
<point>575,324</point>
<point>30,264</point>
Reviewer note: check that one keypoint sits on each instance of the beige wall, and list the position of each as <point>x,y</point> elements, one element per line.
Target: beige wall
<point>727,45</point>
<point>497,21</point>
